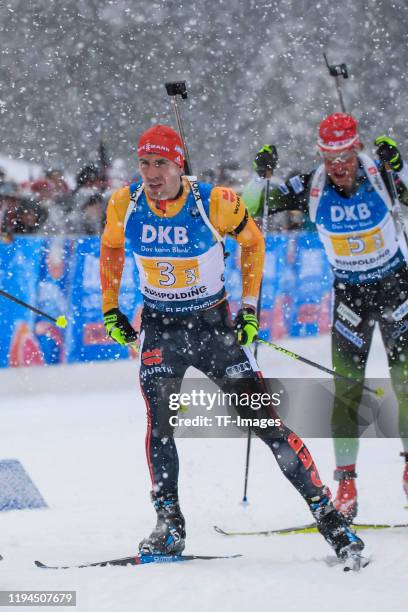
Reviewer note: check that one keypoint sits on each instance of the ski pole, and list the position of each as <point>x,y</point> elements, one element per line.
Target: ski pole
<point>258,314</point>
<point>265,223</point>
<point>379,391</point>
<point>396,207</point>
<point>337,71</point>
<point>248,452</point>
<point>174,89</point>
<point>60,321</point>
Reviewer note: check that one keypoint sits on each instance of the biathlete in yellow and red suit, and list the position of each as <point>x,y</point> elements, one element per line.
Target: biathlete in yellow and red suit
<point>175,227</point>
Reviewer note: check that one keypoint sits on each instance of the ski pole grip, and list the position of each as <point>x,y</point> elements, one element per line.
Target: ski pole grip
<point>177,88</point>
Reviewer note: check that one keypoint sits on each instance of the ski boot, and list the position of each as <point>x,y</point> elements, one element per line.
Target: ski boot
<point>405,475</point>
<point>337,532</point>
<point>168,537</point>
<point>346,498</point>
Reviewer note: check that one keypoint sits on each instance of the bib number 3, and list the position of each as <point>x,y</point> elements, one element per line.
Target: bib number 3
<point>167,277</point>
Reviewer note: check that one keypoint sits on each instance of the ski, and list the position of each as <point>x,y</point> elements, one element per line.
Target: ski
<point>308,528</point>
<point>140,559</point>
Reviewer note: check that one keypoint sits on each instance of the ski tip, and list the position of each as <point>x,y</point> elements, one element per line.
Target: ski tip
<point>219,530</point>
<point>50,567</point>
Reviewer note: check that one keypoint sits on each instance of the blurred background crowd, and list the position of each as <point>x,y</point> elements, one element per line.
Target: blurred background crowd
<point>55,204</point>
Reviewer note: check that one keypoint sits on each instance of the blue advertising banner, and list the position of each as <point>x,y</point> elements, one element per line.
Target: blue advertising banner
<point>311,306</point>
<point>61,276</point>
<point>52,296</point>
<point>19,275</point>
<point>274,288</point>
<point>86,337</point>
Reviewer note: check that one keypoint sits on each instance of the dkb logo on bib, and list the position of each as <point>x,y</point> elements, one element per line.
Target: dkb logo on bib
<point>354,212</point>
<point>164,235</point>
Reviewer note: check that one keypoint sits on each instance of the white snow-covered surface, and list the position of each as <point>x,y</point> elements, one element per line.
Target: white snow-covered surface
<point>82,443</point>
<point>20,170</point>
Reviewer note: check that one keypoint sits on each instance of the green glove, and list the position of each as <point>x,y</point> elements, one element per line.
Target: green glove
<point>118,327</point>
<point>388,152</point>
<point>265,160</point>
<point>246,326</point>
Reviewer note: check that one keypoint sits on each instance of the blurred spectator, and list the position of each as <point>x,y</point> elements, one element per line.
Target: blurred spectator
<point>8,202</point>
<point>49,206</point>
<point>23,216</point>
<point>209,176</point>
<point>52,194</point>
<point>93,215</point>
<point>8,205</point>
<point>227,174</point>
<point>91,177</point>
<point>57,181</point>
<point>89,201</point>
<point>7,187</point>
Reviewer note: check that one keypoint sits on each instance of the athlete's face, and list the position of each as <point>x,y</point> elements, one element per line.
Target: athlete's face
<point>161,176</point>
<point>342,168</point>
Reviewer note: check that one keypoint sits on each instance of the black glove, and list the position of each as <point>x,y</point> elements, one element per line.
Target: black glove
<point>265,160</point>
<point>246,326</point>
<point>388,153</point>
<point>118,327</point>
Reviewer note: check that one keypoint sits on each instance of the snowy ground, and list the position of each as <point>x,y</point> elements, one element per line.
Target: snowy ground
<point>82,443</point>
